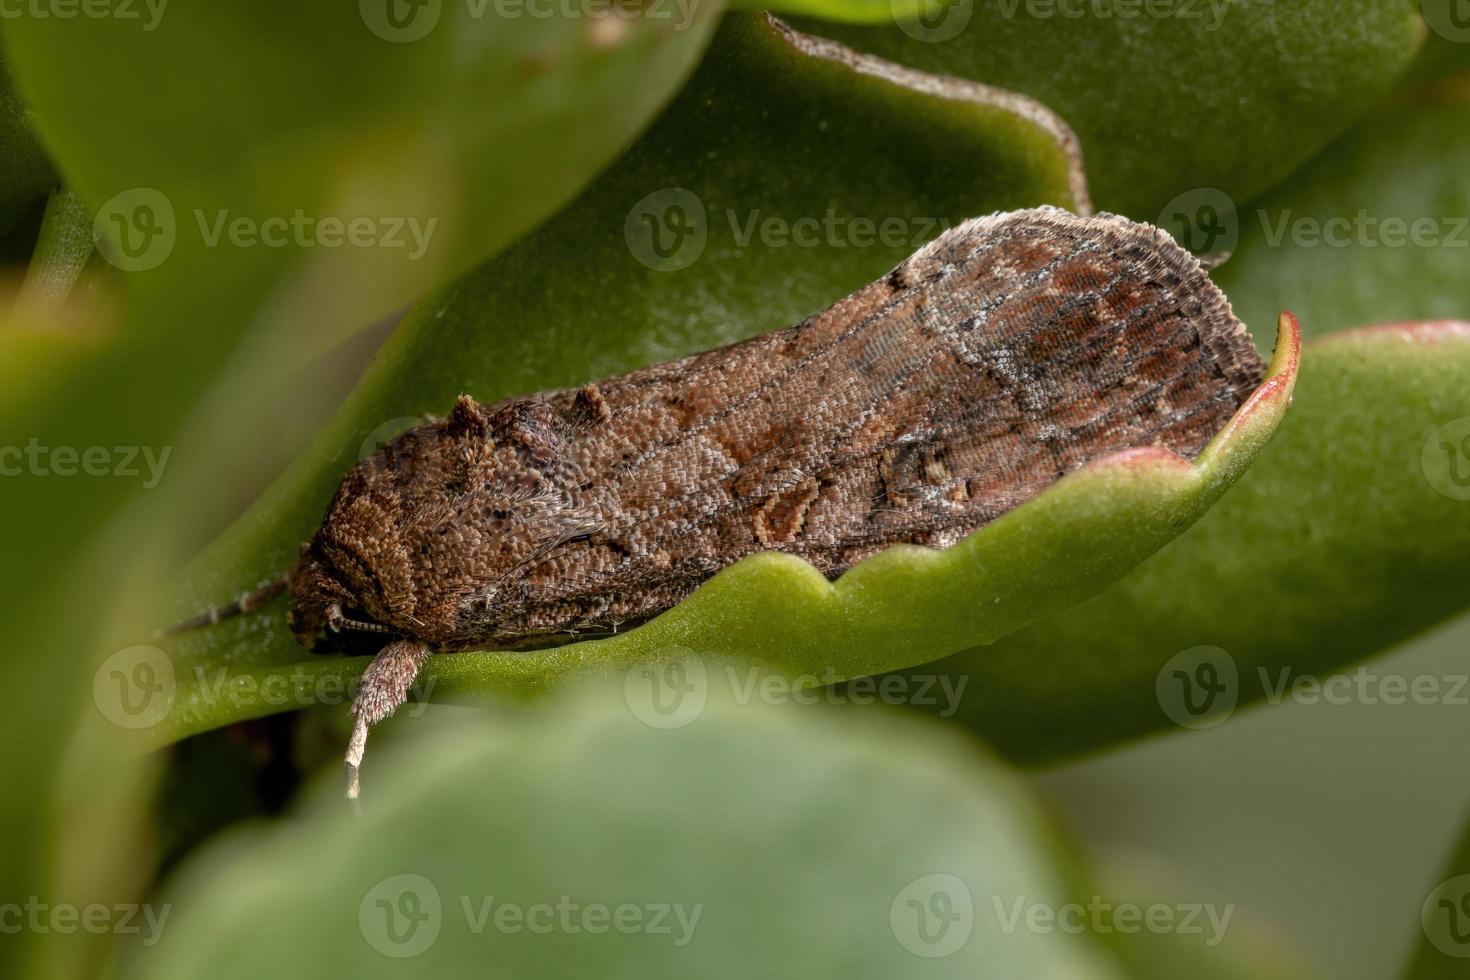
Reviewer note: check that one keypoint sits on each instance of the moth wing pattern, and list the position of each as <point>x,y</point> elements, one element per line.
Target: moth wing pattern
<point>1005,354</point>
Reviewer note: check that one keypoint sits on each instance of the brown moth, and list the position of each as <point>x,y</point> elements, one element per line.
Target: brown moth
<point>998,358</point>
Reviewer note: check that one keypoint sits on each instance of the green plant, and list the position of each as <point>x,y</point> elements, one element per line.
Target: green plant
<point>509,150</point>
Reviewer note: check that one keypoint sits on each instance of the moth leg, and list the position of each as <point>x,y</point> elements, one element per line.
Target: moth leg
<point>385,686</point>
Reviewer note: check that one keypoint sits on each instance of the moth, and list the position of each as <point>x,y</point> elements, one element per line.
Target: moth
<point>1006,353</point>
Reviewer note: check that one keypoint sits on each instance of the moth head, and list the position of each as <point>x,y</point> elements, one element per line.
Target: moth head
<point>328,611</point>
<point>424,522</point>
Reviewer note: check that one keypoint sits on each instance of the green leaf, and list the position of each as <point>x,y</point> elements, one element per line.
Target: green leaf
<point>1447,50</point>
<point>27,171</point>
<point>484,118</point>
<point>1353,509</point>
<point>1196,933</point>
<point>1232,96</point>
<point>63,249</point>
<point>1328,243</point>
<point>791,832</point>
<point>908,606</point>
<point>843,11</point>
<point>1442,950</point>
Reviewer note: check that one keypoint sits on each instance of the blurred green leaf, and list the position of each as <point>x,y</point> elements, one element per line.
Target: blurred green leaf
<point>1447,49</point>
<point>1193,932</point>
<point>483,118</point>
<point>64,247</point>
<point>1228,95</point>
<point>843,11</point>
<point>1442,950</point>
<point>166,127</point>
<point>1375,230</point>
<point>908,606</point>
<point>788,833</point>
<point>27,171</point>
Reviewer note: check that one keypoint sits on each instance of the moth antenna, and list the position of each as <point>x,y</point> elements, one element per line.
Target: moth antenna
<point>385,685</point>
<point>244,604</point>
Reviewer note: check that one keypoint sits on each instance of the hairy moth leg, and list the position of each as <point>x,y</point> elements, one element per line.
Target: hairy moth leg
<point>385,686</point>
